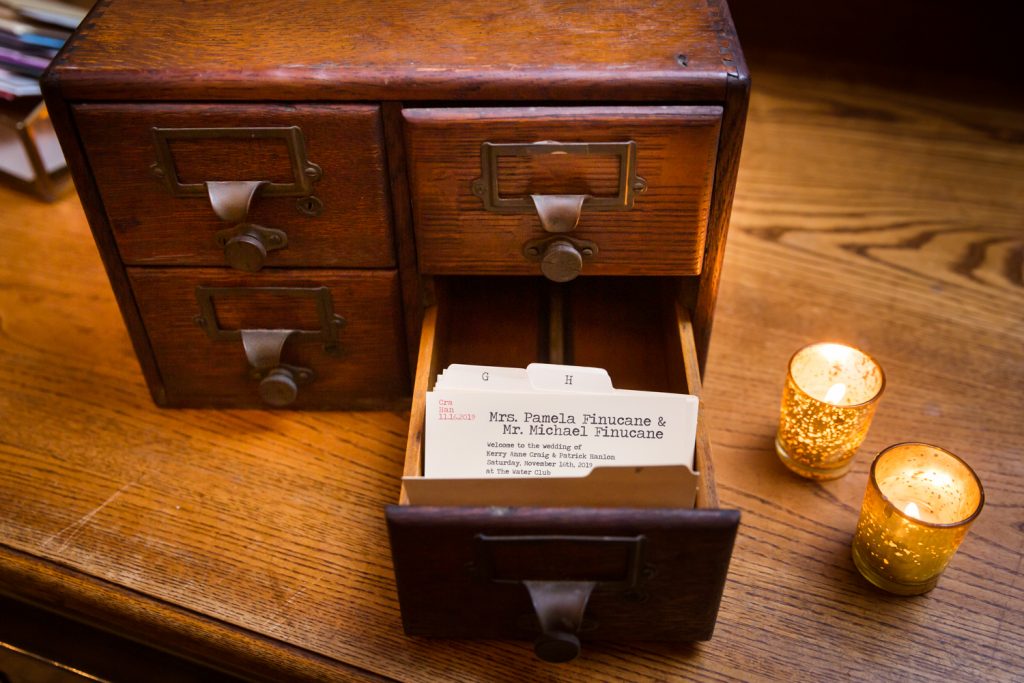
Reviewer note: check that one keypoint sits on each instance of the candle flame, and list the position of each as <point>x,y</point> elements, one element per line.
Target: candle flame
<point>835,393</point>
<point>912,510</point>
<point>836,353</point>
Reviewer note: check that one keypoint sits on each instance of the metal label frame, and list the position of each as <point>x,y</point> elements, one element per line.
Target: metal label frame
<point>634,547</point>
<point>304,172</point>
<point>329,321</point>
<point>486,186</point>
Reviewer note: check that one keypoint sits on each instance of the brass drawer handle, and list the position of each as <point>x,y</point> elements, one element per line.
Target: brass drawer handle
<point>560,585</point>
<point>278,382</point>
<point>245,244</point>
<point>559,212</point>
<point>561,259</point>
<point>559,606</point>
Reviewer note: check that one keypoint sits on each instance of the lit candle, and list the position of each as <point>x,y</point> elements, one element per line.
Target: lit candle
<point>827,404</point>
<point>919,503</point>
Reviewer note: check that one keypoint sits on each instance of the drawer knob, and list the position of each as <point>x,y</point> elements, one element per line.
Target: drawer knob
<point>557,647</point>
<point>246,246</point>
<point>245,252</point>
<point>561,257</point>
<point>279,387</point>
<point>561,261</point>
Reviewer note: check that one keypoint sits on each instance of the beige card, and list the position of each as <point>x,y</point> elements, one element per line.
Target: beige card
<point>473,434</point>
<point>553,435</point>
<point>667,486</point>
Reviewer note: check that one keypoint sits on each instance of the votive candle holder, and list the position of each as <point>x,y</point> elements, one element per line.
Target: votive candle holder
<point>829,398</point>
<point>920,502</point>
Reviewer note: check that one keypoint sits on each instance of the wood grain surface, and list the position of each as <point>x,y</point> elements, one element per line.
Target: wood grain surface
<point>568,49</point>
<point>661,234</point>
<point>256,540</point>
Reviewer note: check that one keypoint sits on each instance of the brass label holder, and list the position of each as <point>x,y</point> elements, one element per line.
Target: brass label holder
<point>486,186</point>
<point>330,323</point>
<point>630,550</point>
<point>304,172</point>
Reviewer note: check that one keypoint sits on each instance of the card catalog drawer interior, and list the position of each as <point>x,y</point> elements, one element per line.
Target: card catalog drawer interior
<point>290,184</point>
<point>464,571</point>
<point>303,339</point>
<point>611,190</point>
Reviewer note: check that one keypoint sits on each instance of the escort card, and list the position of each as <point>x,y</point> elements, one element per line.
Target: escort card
<point>553,436</point>
<point>550,421</point>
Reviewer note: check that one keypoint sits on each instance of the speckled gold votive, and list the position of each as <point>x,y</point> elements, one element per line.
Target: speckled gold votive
<point>829,399</point>
<point>919,503</point>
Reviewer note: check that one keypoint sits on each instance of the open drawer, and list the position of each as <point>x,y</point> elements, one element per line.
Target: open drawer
<point>561,575</point>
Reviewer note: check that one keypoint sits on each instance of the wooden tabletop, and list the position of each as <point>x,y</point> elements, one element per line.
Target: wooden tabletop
<point>256,540</point>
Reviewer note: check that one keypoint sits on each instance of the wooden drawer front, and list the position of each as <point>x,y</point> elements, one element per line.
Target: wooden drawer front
<point>662,233</point>
<point>461,570</point>
<point>197,370</point>
<point>166,217</point>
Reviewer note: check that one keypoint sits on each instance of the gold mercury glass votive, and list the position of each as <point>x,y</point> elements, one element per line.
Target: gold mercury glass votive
<point>919,503</point>
<point>827,404</point>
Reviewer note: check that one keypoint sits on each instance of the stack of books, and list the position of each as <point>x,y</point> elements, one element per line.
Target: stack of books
<point>31,33</point>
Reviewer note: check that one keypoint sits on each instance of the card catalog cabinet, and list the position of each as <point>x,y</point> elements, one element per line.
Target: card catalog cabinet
<point>320,205</point>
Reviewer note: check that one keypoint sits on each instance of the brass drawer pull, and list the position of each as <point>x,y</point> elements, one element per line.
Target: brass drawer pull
<point>561,259</point>
<point>245,244</point>
<point>559,212</point>
<point>231,199</point>
<point>278,382</point>
<point>559,582</point>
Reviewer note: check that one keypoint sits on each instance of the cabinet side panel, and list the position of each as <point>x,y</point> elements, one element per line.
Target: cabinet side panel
<point>731,141</point>
<point>408,274</point>
<point>88,193</point>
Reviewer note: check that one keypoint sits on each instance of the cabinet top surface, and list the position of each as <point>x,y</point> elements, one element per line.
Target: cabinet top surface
<point>408,49</point>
